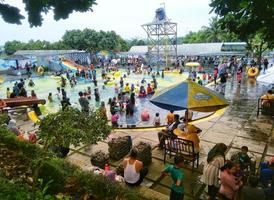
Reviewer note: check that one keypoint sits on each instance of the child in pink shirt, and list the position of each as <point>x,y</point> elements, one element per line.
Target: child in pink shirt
<point>229,183</point>
<point>114,120</point>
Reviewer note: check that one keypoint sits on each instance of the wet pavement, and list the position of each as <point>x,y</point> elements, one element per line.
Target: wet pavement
<point>236,127</point>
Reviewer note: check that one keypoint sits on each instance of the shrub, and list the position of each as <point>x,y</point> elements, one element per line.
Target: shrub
<point>144,153</point>
<point>119,147</point>
<point>99,159</point>
<point>102,188</point>
<point>27,148</point>
<point>53,170</point>
<point>55,173</point>
<point>4,119</point>
<point>19,191</point>
<point>49,172</point>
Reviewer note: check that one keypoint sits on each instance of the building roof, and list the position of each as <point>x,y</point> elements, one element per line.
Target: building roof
<point>199,49</point>
<point>16,57</point>
<point>45,52</point>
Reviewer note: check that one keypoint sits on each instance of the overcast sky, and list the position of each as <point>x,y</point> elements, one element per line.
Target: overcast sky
<point>122,16</point>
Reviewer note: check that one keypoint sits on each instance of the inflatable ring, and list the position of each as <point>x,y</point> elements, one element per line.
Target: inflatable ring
<point>140,95</point>
<point>2,79</point>
<point>172,72</point>
<point>110,83</point>
<point>117,74</point>
<point>40,70</point>
<point>55,77</point>
<point>252,72</point>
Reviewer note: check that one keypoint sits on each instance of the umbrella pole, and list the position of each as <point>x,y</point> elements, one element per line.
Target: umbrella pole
<point>186,116</point>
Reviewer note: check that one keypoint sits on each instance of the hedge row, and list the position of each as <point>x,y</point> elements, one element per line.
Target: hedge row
<point>57,172</point>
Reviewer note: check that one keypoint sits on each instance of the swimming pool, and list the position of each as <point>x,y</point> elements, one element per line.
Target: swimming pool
<point>46,84</point>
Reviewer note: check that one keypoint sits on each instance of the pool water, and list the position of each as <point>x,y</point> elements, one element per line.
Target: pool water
<point>46,84</point>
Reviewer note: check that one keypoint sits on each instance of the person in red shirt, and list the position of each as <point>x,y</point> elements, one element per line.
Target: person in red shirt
<point>239,76</point>
<point>215,74</point>
<point>204,78</point>
<point>149,89</point>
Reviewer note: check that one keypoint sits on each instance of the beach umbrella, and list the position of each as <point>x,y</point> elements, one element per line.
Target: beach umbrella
<point>192,64</point>
<point>190,96</point>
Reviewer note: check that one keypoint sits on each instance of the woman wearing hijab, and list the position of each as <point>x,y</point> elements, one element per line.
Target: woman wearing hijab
<point>215,160</point>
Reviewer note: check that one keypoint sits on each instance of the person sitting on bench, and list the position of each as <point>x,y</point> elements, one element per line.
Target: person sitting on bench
<point>169,130</point>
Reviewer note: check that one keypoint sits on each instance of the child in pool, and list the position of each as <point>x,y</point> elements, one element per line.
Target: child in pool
<point>88,93</point>
<point>31,83</point>
<point>8,93</point>
<point>142,91</point>
<point>50,99</point>
<point>127,88</point>
<point>116,88</point>
<point>132,88</point>
<point>97,95</point>
<point>239,76</point>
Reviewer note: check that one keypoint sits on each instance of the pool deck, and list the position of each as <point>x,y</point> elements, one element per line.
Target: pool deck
<point>236,126</point>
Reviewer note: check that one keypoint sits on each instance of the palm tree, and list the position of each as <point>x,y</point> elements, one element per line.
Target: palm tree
<point>213,31</point>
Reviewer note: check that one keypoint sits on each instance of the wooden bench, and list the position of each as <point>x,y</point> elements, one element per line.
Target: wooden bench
<point>178,146</point>
<point>265,110</point>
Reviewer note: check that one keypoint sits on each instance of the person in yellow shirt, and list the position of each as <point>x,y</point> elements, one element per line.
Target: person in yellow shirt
<point>170,117</point>
<point>8,93</point>
<point>267,98</point>
<point>190,133</point>
<point>127,88</point>
<point>50,99</point>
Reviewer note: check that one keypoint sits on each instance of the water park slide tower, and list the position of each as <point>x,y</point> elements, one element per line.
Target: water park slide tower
<point>161,36</point>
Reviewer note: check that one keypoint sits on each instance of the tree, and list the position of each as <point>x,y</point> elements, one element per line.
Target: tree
<point>212,33</point>
<point>195,37</point>
<point>12,46</point>
<point>72,126</point>
<point>35,8</point>
<point>93,41</point>
<point>137,42</point>
<point>59,45</point>
<point>88,40</point>
<point>248,19</point>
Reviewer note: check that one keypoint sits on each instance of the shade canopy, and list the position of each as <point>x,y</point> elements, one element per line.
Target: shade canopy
<point>192,64</point>
<point>189,95</point>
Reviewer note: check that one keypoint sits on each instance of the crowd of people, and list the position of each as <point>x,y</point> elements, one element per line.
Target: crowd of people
<point>19,89</point>
<point>226,178</point>
<point>235,178</point>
